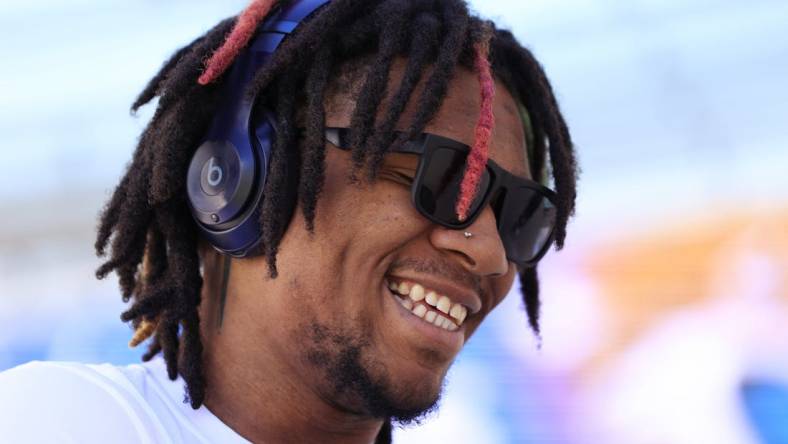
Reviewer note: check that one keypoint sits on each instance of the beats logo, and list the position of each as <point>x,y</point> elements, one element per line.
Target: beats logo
<point>212,176</point>
<point>214,173</point>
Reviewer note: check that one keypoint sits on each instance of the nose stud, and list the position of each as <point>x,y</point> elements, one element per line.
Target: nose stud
<point>467,234</point>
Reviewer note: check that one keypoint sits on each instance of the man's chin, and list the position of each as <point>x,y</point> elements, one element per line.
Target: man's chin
<point>385,393</point>
<point>368,387</point>
<point>414,389</point>
<point>415,410</point>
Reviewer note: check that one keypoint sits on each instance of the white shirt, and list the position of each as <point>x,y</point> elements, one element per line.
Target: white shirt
<point>65,402</point>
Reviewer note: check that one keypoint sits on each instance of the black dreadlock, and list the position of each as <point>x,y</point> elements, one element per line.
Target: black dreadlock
<point>154,244</point>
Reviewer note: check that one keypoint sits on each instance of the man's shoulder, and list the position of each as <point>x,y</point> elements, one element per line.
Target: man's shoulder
<point>88,403</point>
<point>78,385</point>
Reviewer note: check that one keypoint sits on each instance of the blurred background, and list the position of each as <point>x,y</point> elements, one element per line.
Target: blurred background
<point>665,317</point>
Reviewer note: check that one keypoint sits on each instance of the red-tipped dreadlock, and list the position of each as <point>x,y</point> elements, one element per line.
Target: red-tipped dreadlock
<point>236,40</point>
<point>477,159</point>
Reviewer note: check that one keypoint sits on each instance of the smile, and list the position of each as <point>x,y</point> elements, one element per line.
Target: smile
<point>428,305</point>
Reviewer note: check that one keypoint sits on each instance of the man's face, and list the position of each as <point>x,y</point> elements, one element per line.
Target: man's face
<point>331,314</point>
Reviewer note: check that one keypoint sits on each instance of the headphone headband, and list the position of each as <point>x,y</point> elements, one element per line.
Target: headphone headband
<point>228,171</point>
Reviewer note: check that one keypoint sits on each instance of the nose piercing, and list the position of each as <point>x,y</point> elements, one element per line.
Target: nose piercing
<point>467,234</point>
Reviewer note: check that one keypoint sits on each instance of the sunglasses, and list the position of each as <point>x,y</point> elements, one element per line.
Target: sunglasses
<point>524,209</point>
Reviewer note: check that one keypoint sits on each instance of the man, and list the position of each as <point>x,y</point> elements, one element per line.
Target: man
<point>326,293</point>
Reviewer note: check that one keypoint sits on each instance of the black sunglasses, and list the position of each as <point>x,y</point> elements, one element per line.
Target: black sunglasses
<point>524,209</point>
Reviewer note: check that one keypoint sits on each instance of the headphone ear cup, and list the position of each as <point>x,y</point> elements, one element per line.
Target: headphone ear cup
<point>218,183</point>
<point>225,186</point>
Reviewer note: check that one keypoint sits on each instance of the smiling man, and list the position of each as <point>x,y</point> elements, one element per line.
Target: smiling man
<point>329,200</point>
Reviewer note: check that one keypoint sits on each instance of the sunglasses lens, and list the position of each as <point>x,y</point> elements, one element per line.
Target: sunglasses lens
<point>528,218</point>
<point>439,188</point>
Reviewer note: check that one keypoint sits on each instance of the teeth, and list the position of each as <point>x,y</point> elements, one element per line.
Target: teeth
<point>407,303</point>
<point>458,312</point>
<point>432,298</point>
<point>430,316</point>
<point>444,304</point>
<point>412,293</point>
<point>445,323</point>
<point>417,293</point>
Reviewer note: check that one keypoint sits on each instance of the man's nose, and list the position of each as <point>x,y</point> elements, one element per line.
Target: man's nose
<point>481,253</point>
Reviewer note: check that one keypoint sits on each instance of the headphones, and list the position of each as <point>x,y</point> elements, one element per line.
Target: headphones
<point>227,173</point>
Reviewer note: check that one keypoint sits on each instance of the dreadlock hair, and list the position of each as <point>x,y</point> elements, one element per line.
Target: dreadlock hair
<point>154,243</point>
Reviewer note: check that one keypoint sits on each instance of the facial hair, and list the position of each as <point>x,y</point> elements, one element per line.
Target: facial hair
<point>360,384</point>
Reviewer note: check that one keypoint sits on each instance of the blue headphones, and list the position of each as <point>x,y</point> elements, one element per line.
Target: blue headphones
<point>227,173</point>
